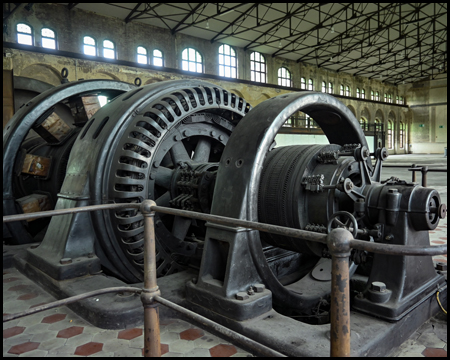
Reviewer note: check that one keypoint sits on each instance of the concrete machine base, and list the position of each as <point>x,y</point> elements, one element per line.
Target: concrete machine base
<point>369,336</point>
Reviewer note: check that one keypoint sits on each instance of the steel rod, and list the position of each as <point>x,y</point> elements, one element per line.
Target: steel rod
<point>43,214</point>
<point>339,246</point>
<point>70,300</point>
<point>241,339</point>
<point>275,229</point>
<point>152,336</point>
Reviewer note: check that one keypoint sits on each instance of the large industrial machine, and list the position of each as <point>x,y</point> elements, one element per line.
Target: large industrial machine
<point>192,145</point>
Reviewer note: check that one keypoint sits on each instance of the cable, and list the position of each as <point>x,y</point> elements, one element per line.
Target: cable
<point>437,298</point>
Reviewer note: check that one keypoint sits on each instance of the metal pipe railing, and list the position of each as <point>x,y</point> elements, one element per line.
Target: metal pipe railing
<point>339,242</point>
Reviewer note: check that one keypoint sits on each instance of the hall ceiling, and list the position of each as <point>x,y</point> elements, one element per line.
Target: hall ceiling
<point>392,42</point>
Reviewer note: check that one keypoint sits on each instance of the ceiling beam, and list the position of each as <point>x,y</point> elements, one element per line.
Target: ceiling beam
<point>127,19</point>
<point>174,29</point>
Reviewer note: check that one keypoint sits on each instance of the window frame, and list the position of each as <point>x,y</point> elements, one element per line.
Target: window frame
<point>24,34</point>
<point>363,94</point>
<point>377,96</point>
<point>90,45</point>
<point>138,54</point>
<point>288,77</point>
<point>401,132</point>
<point>161,57</point>
<point>358,92</point>
<point>330,88</point>
<point>303,83</point>
<point>106,48</point>
<point>324,87</point>
<point>224,66</point>
<point>389,132</point>
<point>188,61</point>
<point>311,84</point>
<point>341,90</point>
<point>347,91</point>
<point>253,72</point>
<point>46,37</point>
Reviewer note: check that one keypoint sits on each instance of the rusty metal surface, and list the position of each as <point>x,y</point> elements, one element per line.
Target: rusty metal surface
<point>36,165</point>
<point>53,129</point>
<point>34,203</point>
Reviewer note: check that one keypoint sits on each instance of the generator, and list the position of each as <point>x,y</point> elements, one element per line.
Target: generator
<point>192,145</point>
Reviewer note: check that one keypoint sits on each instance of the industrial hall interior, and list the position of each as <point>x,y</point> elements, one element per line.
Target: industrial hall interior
<point>225,179</point>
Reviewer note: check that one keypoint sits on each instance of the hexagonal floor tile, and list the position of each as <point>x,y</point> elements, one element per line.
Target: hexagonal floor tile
<point>23,348</point>
<point>191,334</point>
<point>53,318</point>
<point>222,350</point>
<point>16,330</point>
<point>69,332</point>
<point>88,349</point>
<point>433,352</point>
<point>129,334</point>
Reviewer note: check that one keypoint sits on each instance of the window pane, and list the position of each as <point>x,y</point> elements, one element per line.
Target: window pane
<point>263,78</point>
<point>252,76</point>
<point>192,66</point>
<point>263,68</point>
<point>227,72</point>
<point>142,59</point>
<point>227,50</point>
<point>199,57</point>
<point>227,60</point>
<point>233,73</point>
<point>184,65</point>
<point>108,53</point>
<point>252,56</point>
<point>199,68</point>
<point>257,66</point>
<point>184,55</point>
<point>108,44</point>
<point>23,28</point>
<point>48,43</point>
<point>258,77</point>
<point>157,61</point>
<point>24,39</point>
<point>157,53</point>
<point>221,49</point>
<point>88,40</point>
<point>191,54</point>
<point>141,50</point>
<point>48,33</point>
<point>220,59</point>
<point>233,61</point>
<point>89,50</point>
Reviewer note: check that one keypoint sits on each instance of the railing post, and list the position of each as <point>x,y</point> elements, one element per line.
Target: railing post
<point>152,340</point>
<point>424,171</point>
<point>413,166</point>
<point>339,245</point>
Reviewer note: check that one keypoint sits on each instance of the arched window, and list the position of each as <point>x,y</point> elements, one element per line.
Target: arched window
<point>378,125</point>
<point>401,135</point>
<point>363,94</point>
<point>371,95</point>
<point>257,67</point>
<point>158,59</point>
<point>396,100</point>
<point>385,97</point>
<point>390,139</point>
<point>364,124</point>
<point>227,61</point>
<point>401,100</point>
<point>311,84</point>
<point>284,77</point>
<point>341,90</point>
<point>24,34</point>
<point>303,83</point>
<point>89,46</point>
<point>358,94</point>
<point>324,86</point>
<point>330,88</point>
<point>347,91</point>
<point>377,96</point>
<point>142,57</point>
<point>390,98</point>
<point>48,38</point>
<point>108,49</point>
<point>191,60</point>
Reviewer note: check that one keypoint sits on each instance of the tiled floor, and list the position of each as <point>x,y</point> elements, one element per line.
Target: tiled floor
<point>60,332</point>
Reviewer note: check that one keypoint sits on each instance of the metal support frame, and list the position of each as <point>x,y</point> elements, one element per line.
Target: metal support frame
<point>340,242</point>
